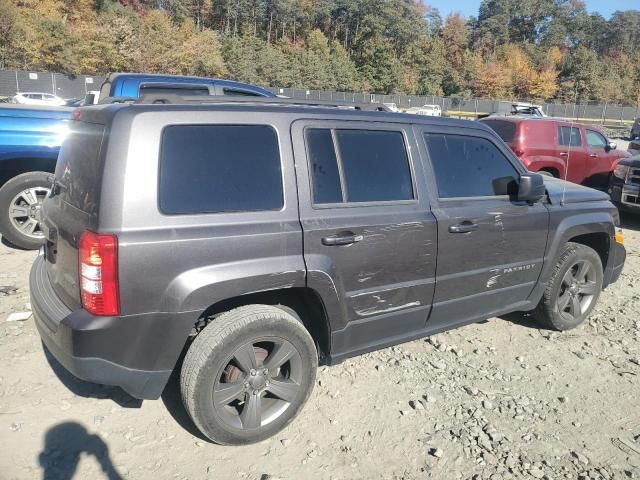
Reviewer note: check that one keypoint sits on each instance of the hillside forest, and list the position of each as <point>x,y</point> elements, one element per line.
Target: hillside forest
<point>525,49</point>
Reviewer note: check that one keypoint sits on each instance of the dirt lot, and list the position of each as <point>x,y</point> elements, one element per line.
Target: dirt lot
<point>497,400</point>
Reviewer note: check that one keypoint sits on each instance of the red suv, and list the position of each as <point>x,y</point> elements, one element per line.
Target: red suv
<point>581,152</point>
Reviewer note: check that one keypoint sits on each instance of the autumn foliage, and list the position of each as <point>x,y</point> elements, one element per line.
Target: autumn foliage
<point>526,49</point>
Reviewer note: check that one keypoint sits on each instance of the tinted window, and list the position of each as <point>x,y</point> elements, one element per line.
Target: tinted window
<point>174,90</point>
<point>469,166</point>
<point>230,92</point>
<point>219,168</point>
<point>324,166</point>
<point>595,139</point>
<point>375,165</point>
<point>78,170</point>
<point>569,136</point>
<point>506,130</point>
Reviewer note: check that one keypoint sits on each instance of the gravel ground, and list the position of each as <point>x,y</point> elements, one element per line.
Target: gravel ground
<point>497,400</point>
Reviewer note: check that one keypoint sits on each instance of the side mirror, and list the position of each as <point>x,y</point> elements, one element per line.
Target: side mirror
<point>531,187</point>
<point>611,146</point>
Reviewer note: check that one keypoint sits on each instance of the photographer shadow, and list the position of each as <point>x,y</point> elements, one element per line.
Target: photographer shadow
<point>63,445</point>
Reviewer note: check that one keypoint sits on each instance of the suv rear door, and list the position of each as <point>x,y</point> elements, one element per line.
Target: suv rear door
<point>490,247</point>
<point>369,235</point>
<point>571,148</point>
<point>72,206</point>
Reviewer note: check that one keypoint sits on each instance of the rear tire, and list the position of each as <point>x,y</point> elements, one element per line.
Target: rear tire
<point>20,202</point>
<point>248,374</point>
<point>573,290</point>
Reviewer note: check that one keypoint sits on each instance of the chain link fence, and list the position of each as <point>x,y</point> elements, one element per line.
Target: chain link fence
<point>12,81</point>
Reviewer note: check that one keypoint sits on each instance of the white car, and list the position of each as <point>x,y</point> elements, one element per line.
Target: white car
<point>38,98</point>
<point>392,106</point>
<point>428,110</point>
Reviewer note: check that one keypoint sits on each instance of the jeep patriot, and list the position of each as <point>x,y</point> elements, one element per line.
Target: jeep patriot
<point>263,238</point>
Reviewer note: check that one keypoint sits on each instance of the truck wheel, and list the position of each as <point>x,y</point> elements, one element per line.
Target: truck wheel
<point>20,203</point>
<point>248,374</point>
<point>573,290</point>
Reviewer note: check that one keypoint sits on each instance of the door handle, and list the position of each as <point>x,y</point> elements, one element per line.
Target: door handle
<point>464,227</point>
<point>564,154</point>
<point>342,238</point>
<point>593,155</point>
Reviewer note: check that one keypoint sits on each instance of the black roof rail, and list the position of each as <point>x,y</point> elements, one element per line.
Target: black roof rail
<point>175,99</point>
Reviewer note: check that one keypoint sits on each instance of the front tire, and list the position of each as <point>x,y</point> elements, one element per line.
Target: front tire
<point>20,203</point>
<point>248,374</point>
<point>573,290</point>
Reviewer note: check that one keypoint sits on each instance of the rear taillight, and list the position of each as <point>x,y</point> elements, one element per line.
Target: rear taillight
<point>98,264</point>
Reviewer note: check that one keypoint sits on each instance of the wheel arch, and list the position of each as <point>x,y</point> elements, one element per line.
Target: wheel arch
<point>303,302</point>
<point>12,167</point>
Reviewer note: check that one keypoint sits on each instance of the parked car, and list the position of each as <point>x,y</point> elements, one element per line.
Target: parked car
<point>427,110</point>
<point>635,129</point>
<point>392,107</point>
<point>529,109</point>
<point>30,138</point>
<point>634,147</point>
<point>624,186</point>
<point>38,98</point>
<point>580,153</point>
<point>264,238</point>
<point>134,85</point>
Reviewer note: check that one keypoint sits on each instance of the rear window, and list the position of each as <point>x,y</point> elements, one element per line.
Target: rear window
<point>219,168</point>
<point>505,130</point>
<point>78,171</point>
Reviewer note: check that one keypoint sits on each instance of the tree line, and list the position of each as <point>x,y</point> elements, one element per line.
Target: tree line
<point>527,49</point>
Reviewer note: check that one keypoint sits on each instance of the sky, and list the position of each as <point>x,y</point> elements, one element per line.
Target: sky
<point>470,7</point>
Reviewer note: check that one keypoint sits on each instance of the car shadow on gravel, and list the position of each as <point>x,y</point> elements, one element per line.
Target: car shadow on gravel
<point>90,390</point>
<point>64,445</point>
<point>172,400</point>
<point>524,319</point>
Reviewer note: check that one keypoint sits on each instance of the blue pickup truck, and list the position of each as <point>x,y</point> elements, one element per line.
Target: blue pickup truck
<point>30,138</point>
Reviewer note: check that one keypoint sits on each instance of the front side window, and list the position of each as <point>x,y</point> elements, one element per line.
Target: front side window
<point>358,166</point>
<point>233,92</point>
<point>595,139</point>
<point>569,136</point>
<point>469,166</point>
<point>219,168</point>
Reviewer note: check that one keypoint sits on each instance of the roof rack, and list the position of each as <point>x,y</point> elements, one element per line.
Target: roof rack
<point>174,99</point>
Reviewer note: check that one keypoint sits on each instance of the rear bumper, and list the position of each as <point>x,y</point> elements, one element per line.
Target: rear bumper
<point>137,353</point>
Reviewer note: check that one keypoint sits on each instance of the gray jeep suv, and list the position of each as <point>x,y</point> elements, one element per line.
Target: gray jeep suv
<point>263,238</point>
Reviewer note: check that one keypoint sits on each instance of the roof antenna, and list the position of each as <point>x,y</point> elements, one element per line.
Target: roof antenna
<point>566,168</point>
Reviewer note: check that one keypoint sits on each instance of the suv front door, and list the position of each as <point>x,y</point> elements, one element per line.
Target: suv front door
<point>369,235</point>
<point>490,247</point>
<point>601,159</point>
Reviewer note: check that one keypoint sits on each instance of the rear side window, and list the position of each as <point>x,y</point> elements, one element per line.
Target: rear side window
<point>219,168</point>
<point>469,166</point>
<point>506,130</point>
<point>356,166</point>
<point>151,89</point>
<point>79,166</point>
<point>569,136</point>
